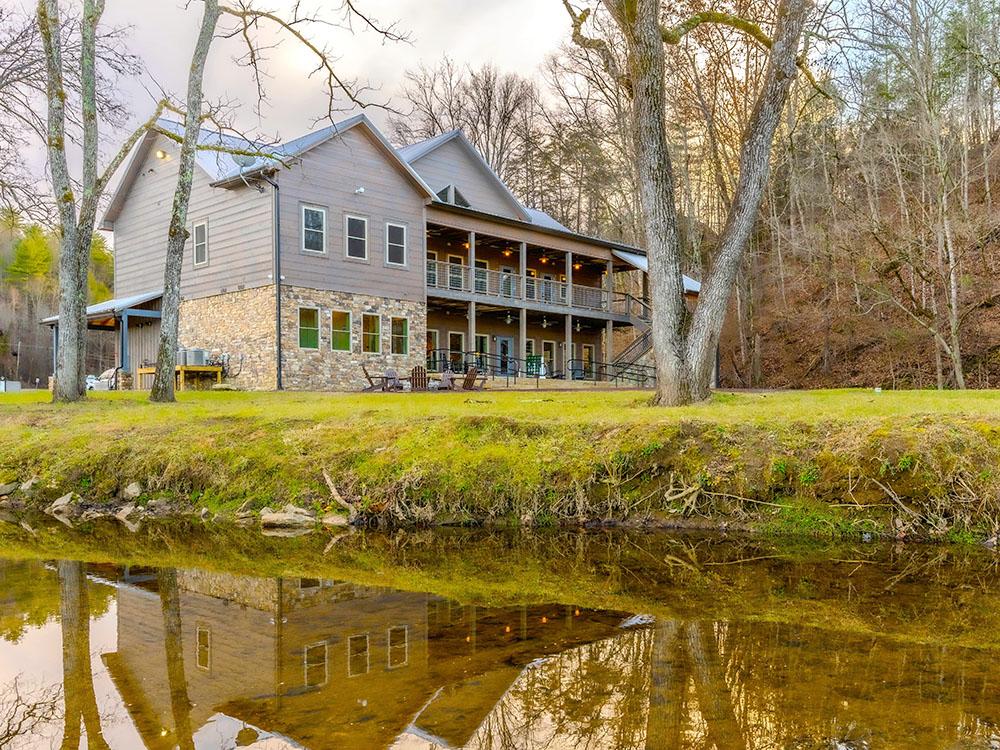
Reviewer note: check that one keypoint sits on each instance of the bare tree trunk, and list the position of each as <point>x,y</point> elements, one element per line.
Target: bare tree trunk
<point>754,168</point>
<point>163,381</point>
<point>72,299</point>
<point>173,644</point>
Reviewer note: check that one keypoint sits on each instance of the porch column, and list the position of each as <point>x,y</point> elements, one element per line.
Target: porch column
<point>55,348</point>
<point>470,344</point>
<point>524,270</point>
<point>609,283</point>
<point>522,341</point>
<point>472,262</point>
<point>569,279</point>
<point>609,332</point>
<point>568,347</point>
<point>124,363</point>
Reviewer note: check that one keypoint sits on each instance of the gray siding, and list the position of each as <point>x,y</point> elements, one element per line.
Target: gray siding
<point>328,176</point>
<point>240,237</point>
<point>451,164</point>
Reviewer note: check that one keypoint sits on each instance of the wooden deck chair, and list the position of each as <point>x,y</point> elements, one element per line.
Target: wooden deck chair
<point>392,381</point>
<point>447,381</point>
<point>418,378</point>
<point>473,380</point>
<point>373,384</point>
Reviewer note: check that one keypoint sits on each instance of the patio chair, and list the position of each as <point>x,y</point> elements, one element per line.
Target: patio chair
<point>392,381</point>
<point>473,380</point>
<point>418,379</point>
<point>376,383</point>
<point>448,382</point>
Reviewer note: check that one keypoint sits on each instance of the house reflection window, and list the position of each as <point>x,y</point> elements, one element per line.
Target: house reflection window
<point>357,655</point>
<point>399,645</point>
<point>315,665</point>
<point>204,655</point>
<point>308,584</point>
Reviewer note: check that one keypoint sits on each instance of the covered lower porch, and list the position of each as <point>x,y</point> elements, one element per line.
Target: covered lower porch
<point>135,323</point>
<point>519,342</point>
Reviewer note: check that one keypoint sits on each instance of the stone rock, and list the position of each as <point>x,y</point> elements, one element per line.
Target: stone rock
<point>335,520</point>
<point>6,489</point>
<point>132,491</point>
<point>286,520</point>
<point>287,532</point>
<point>125,511</point>
<point>27,486</point>
<point>204,513</point>
<point>289,508</point>
<point>6,517</point>
<point>64,505</point>
<point>93,514</point>
<point>266,510</point>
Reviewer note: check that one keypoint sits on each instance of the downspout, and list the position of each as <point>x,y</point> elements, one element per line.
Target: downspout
<point>277,273</point>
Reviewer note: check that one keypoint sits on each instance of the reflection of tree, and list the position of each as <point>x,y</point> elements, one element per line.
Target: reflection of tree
<point>180,703</point>
<point>78,678</point>
<point>31,596</point>
<point>22,715</point>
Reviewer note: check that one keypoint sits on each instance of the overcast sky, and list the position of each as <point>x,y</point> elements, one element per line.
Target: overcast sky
<point>515,35</point>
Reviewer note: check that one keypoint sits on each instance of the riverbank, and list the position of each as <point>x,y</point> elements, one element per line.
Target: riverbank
<point>836,463</point>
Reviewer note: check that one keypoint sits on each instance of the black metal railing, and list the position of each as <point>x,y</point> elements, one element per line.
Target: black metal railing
<point>535,368</point>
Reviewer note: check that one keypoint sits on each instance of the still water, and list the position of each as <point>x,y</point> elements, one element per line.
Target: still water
<point>725,645</point>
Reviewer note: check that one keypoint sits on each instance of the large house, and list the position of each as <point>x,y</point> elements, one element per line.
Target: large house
<point>339,250</point>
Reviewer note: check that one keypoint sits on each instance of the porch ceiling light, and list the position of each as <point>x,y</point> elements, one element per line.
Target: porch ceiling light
<point>508,319</point>
<point>161,154</point>
<point>544,259</point>
<point>545,322</point>
<point>508,252</point>
<point>577,266</point>
<point>578,326</point>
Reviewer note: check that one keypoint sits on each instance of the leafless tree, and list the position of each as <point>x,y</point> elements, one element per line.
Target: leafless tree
<point>247,20</point>
<point>685,349</point>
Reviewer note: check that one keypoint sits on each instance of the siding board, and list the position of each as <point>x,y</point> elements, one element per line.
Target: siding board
<point>329,176</point>
<point>240,244</point>
<point>451,164</point>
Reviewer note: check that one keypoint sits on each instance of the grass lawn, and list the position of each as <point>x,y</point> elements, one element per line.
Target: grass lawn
<point>814,461</point>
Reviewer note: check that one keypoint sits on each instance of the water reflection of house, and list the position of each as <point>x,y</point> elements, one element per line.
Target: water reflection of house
<point>329,665</point>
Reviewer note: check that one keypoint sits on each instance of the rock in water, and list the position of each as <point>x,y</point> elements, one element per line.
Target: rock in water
<point>286,520</point>
<point>62,506</point>
<point>334,519</point>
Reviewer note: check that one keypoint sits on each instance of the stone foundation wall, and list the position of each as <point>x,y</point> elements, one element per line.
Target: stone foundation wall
<point>325,369</point>
<point>240,324</point>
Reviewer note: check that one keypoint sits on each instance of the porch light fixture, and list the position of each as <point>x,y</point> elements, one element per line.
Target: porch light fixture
<point>508,252</point>
<point>161,154</point>
<point>544,259</point>
<point>578,326</point>
<point>545,322</point>
<point>577,266</point>
<point>508,320</point>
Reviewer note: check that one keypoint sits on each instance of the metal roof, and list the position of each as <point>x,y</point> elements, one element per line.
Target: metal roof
<point>642,263</point>
<point>113,306</point>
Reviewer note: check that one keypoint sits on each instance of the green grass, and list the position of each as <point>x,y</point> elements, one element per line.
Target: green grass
<point>918,462</point>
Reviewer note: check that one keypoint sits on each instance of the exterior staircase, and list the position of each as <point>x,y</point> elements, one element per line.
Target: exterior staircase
<point>627,362</point>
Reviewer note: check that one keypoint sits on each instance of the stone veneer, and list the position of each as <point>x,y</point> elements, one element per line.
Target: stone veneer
<point>240,324</point>
<point>325,369</point>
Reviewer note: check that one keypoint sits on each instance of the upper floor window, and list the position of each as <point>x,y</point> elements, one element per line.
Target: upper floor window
<point>313,229</point>
<point>200,232</point>
<point>395,244</point>
<point>398,647</point>
<point>452,195</point>
<point>357,237</point>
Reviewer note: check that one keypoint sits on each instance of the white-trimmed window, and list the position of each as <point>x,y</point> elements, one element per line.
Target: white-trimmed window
<point>400,331</point>
<point>398,649</point>
<point>356,237</point>
<point>371,334</point>
<point>340,331</point>
<point>314,665</point>
<point>357,655</point>
<point>199,236</point>
<point>308,328</point>
<point>204,654</point>
<point>314,229</point>
<point>395,244</point>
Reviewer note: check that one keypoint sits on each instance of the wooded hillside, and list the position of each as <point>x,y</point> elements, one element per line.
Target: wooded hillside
<point>875,257</point>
